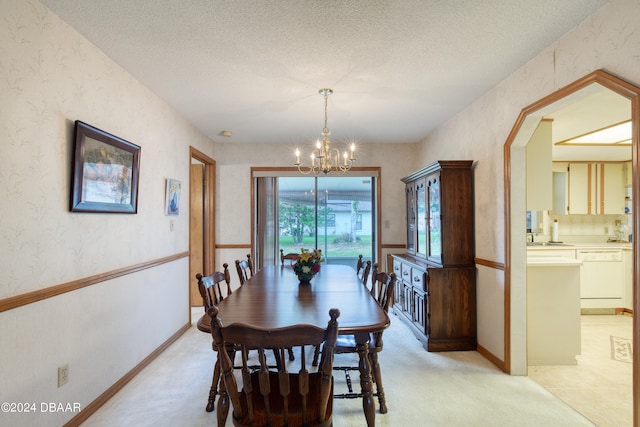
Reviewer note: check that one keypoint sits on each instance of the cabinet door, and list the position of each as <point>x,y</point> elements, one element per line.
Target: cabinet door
<point>611,189</point>
<point>596,188</point>
<point>421,218</point>
<point>420,310</point>
<point>560,188</point>
<point>411,218</point>
<point>580,189</point>
<point>407,299</point>
<point>434,218</point>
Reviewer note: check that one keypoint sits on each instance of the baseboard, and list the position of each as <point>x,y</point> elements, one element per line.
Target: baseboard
<point>491,357</point>
<point>92,407</point>
<point>601,311</point>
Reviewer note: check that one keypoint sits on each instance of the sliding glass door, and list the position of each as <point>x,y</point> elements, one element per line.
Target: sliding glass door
<point>334,213</point>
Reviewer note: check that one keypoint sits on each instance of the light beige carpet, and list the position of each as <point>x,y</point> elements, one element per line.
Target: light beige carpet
<point>422,389</point>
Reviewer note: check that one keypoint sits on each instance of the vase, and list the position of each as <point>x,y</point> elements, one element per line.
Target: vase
<point>305,278</point>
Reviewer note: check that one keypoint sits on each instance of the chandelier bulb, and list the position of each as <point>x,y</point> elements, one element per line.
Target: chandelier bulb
<point>326,159</point>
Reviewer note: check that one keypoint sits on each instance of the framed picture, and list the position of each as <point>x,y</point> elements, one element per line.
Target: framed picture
<point>172,199</point>
<point>105,172</point>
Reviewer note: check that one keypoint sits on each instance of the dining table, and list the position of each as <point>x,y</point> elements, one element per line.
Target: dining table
<point>274,298</point>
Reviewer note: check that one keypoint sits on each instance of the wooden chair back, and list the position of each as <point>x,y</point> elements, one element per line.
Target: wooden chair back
<point>245,269</point>
<point>266,398</point>
<point>291,256</point>
<point>384,284</point>
<point>359,266</point>
<point>365,273</point>
<point>210,287</point>
<point>211,290</point>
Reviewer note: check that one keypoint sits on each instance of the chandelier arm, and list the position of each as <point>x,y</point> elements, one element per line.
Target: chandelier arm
<point>326,158</point>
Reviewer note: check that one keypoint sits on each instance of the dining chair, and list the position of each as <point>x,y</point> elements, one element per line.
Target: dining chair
<point>363,276</point>
<point>291,256</point>
<point>365,273</point>
<point>275,398</point>
<point>245,272</point>
<point>359,266</point>
<point>245,269</point>
<point>385,284</point>
<point>211,293</point>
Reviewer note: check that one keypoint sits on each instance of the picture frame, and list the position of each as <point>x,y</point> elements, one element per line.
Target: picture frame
<point>172,197</point>
<point>106,172</point>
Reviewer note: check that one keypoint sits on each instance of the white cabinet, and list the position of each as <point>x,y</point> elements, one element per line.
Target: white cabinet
<point>627,265</point>
<point>560,188</point>
<point>553,310</point>
<point>595,188</point>
<point>611,182</point>
<point>539,177</point>
<point>628,174</point>
<point>581,189</point>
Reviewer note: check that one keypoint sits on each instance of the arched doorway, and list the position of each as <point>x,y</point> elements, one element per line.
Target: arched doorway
<point>515,205</point>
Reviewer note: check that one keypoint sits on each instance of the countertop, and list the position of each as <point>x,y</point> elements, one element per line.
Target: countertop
<point>603,245</point>
<point>552,261</point>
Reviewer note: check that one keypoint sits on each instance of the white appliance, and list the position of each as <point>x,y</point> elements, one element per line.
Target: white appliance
<point>602,277</point>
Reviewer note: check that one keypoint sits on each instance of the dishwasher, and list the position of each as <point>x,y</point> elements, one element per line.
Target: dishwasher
<point>601,274</point>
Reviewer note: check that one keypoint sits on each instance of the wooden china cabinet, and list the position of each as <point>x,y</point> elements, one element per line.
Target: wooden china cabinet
<point>436,289</point>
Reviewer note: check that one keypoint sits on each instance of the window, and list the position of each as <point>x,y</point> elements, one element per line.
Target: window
<point>331,220</point>
<point>336,214</point>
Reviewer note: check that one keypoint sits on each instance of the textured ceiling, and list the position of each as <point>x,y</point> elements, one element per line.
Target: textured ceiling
<point>399,68</point>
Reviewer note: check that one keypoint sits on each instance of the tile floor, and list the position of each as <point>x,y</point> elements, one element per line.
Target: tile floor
<point>598,387</point>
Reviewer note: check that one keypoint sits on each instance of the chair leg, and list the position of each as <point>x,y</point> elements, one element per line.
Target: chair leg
<point>291,356</point>
<point>377,379</point>
<point>213,392</point>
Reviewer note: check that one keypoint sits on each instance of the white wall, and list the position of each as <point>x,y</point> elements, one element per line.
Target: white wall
<point>607,40</point>
<point>233,210</point>
<point>50,76</point>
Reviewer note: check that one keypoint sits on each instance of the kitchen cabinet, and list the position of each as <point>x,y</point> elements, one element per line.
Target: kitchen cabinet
<point>596,188</point>
<point>628,174</point>
<point>553,310</point>
<point>606,273</point>
<point>627,266</point>
<point>539,168</point>
<point>436,289</point>
<point>590,189</point>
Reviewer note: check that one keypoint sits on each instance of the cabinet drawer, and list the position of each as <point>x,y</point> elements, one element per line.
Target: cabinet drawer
<point>397,269</point>
<point>405,273</point>
<point>418,279</point>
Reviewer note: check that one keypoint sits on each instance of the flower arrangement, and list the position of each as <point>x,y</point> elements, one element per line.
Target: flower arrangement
<point>307,264</point>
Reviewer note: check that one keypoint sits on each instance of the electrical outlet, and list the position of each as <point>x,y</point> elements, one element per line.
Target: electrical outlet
<point>171,225</point>
<point>63,375</point>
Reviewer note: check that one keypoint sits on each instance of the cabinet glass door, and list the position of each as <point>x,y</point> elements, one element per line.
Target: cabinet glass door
<point>435,242</point>
<point>421,219</point>
<point>411,219</point>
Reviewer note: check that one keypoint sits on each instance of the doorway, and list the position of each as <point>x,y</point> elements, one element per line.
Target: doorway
<point>337,214</point>
<point>333,214</point>
<point>515,226</point>
<point>201,220</point>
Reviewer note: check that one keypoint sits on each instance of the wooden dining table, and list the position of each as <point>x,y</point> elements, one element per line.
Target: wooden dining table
<point>274,298</point>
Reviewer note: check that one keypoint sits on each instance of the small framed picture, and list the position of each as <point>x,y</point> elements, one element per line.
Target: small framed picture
<point>105,172</point>
<point>172,199</point>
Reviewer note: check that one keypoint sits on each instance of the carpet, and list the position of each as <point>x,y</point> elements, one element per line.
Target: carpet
<point>621,349</point>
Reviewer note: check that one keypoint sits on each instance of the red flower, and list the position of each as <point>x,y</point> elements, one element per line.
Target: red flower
<point>316,268</point>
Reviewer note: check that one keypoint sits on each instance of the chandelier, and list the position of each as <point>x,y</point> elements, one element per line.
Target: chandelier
<point>325,159</point>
